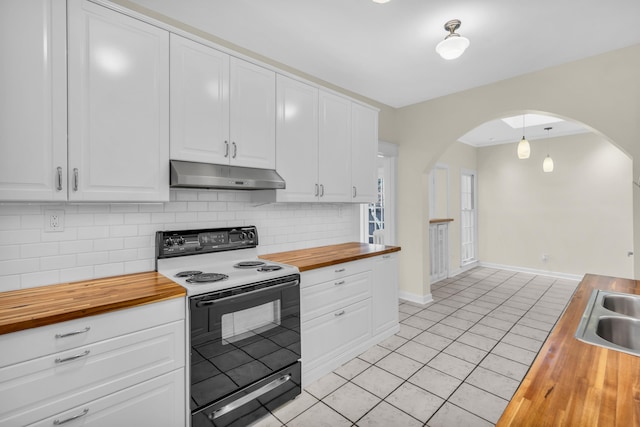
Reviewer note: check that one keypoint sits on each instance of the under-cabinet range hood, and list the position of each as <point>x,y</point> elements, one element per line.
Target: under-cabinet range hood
<point>206,175</point>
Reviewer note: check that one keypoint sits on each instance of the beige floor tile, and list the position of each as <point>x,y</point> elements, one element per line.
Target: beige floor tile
<point>506,367</point>
<point>415,401</point>
<point>399,365</point>
<point>493,382</point>
<point>450,415</point>
<point>325,385</point>
<point>477,341</point>
<point>319,415</point>
<point>436,382</point>
<point>374,354</point>
<point>378,381</point>
<point>434,341</point>
<point>418,322</point>
<point>393,342</point>
<point>352,368</point>
<point>465,352</point>
<point>386,415</point>
<point>407,332</point>
<point>417,352</point>
<point>351,401</point>
<point>452,366</point>
<point>479,402</point>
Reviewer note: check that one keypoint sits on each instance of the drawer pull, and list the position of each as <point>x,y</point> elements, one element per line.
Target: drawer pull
<point>70,358</point>
<point>75,417</point>
<point>340,270</point>
<point>340,313</point>
<point>341,282</point>
<point>70,334</point>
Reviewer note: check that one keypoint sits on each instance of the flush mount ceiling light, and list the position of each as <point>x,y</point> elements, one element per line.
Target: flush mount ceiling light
<point>381,1</point>
<point>524,149</point>
<point>454,44</point>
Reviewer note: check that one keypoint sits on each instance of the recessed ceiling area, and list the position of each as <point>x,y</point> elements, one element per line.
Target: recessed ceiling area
<point>509,130</point>
<point>386,52</point>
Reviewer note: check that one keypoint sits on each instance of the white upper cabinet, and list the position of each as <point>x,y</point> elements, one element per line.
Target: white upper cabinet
<point>199,102</point>
<point>334,148</point>
<point>223,109</point>
<point>253,115</point>
<point>297,140</point>
<point>364,151</point>
<point>118,106</point>
<point>33,100</point>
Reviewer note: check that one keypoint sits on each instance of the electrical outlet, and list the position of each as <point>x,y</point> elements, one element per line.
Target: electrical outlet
<point>54,221</point>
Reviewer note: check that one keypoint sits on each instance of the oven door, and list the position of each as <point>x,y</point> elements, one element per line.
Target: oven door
<point>241,336</point>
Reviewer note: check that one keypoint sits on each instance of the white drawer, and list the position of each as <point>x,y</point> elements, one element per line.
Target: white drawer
<point>158,402</point>
<point>329,296</point>
<point>33,343</point>
<point>325,274</point>
<point>39,388</point>
<point>327,336</point>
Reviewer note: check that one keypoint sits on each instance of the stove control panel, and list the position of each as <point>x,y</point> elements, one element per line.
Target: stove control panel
<point>206,240</point>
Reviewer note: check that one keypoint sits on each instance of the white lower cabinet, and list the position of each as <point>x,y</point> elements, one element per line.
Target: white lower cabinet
<point>346,308</point>
<point>59,381</point>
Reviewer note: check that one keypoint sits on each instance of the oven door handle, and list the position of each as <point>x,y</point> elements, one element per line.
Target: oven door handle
<point>270,288</point>
<point>249,397</point>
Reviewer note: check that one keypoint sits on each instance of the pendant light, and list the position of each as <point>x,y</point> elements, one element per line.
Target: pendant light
<point>524,149</point>
<point>454,44</point>
<point>547,164</point>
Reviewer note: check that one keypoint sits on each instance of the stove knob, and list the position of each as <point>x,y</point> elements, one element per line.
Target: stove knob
<point>169,242</point>
<point>180,241</point>
<point>243,236</point>
<point>252,235</point>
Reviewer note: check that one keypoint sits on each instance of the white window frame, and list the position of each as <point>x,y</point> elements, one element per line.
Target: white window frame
<point>474,217</point>
<point>386,166</point>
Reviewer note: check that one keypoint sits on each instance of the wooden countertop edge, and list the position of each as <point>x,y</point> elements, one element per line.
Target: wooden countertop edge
<point>30,308</point>
<point>574,383</point>
<point>439,220</point>
<point>325,256</point>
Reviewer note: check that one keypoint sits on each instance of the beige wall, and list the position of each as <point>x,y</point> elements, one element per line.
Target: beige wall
<point>457,157</point>
<point>603,92</point>
<point>580,215</point>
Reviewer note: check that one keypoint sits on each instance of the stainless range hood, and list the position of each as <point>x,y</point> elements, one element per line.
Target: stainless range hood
<point>225,177</point>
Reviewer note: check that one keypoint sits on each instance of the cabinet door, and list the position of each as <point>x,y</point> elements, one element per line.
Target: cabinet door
<point>253,115</point>
<point>199,102</point>
<point>385,293</point>
<point>297,140</point>
<point>364,150</point>
<point>33,103</point>
<point>335,148</point>
<point>118,106</point>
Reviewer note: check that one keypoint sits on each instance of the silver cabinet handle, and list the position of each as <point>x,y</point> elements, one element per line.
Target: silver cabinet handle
<point>340,270</point>
<point>75,417</point>
<point>59,183</point>
<point>340,313</point>
<point>235,150</point>
<point>70,334</point>
<point>75,179</point>
<point>226,148</point>
<point>317,190</point>
<point>341,282</point>
<point>355,191</point>
<point>70,358</point>
<point>321,190</point>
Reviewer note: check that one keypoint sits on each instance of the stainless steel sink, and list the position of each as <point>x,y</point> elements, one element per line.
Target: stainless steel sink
<point>626,304</point>
<point>611,320</point>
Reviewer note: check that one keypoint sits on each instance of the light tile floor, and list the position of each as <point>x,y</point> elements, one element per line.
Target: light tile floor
<point>454,362</point>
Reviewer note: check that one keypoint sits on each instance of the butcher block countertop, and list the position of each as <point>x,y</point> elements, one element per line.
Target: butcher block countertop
<point>324,256</point>
<point>572,383</point>
<point>30,308</point>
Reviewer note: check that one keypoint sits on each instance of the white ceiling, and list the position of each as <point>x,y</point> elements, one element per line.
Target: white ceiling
<point>386,51</point>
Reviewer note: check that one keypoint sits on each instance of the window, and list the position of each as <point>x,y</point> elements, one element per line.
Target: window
<point>379,217</point>
<point>468,217</point>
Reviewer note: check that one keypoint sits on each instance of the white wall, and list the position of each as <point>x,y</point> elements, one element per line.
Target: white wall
<point>601,92</point>
<point>102,240</point>
<point>580,215</point>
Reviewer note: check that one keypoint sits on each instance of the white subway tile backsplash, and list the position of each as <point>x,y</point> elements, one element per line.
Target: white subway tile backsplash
<point>102,239</point>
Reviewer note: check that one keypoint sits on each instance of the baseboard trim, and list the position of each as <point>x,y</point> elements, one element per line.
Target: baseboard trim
<point>415,298</point>
<point>464,268</point>
<point>555,274</point>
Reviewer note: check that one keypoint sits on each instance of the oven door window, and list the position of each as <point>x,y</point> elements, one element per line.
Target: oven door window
<point>238,340</point>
